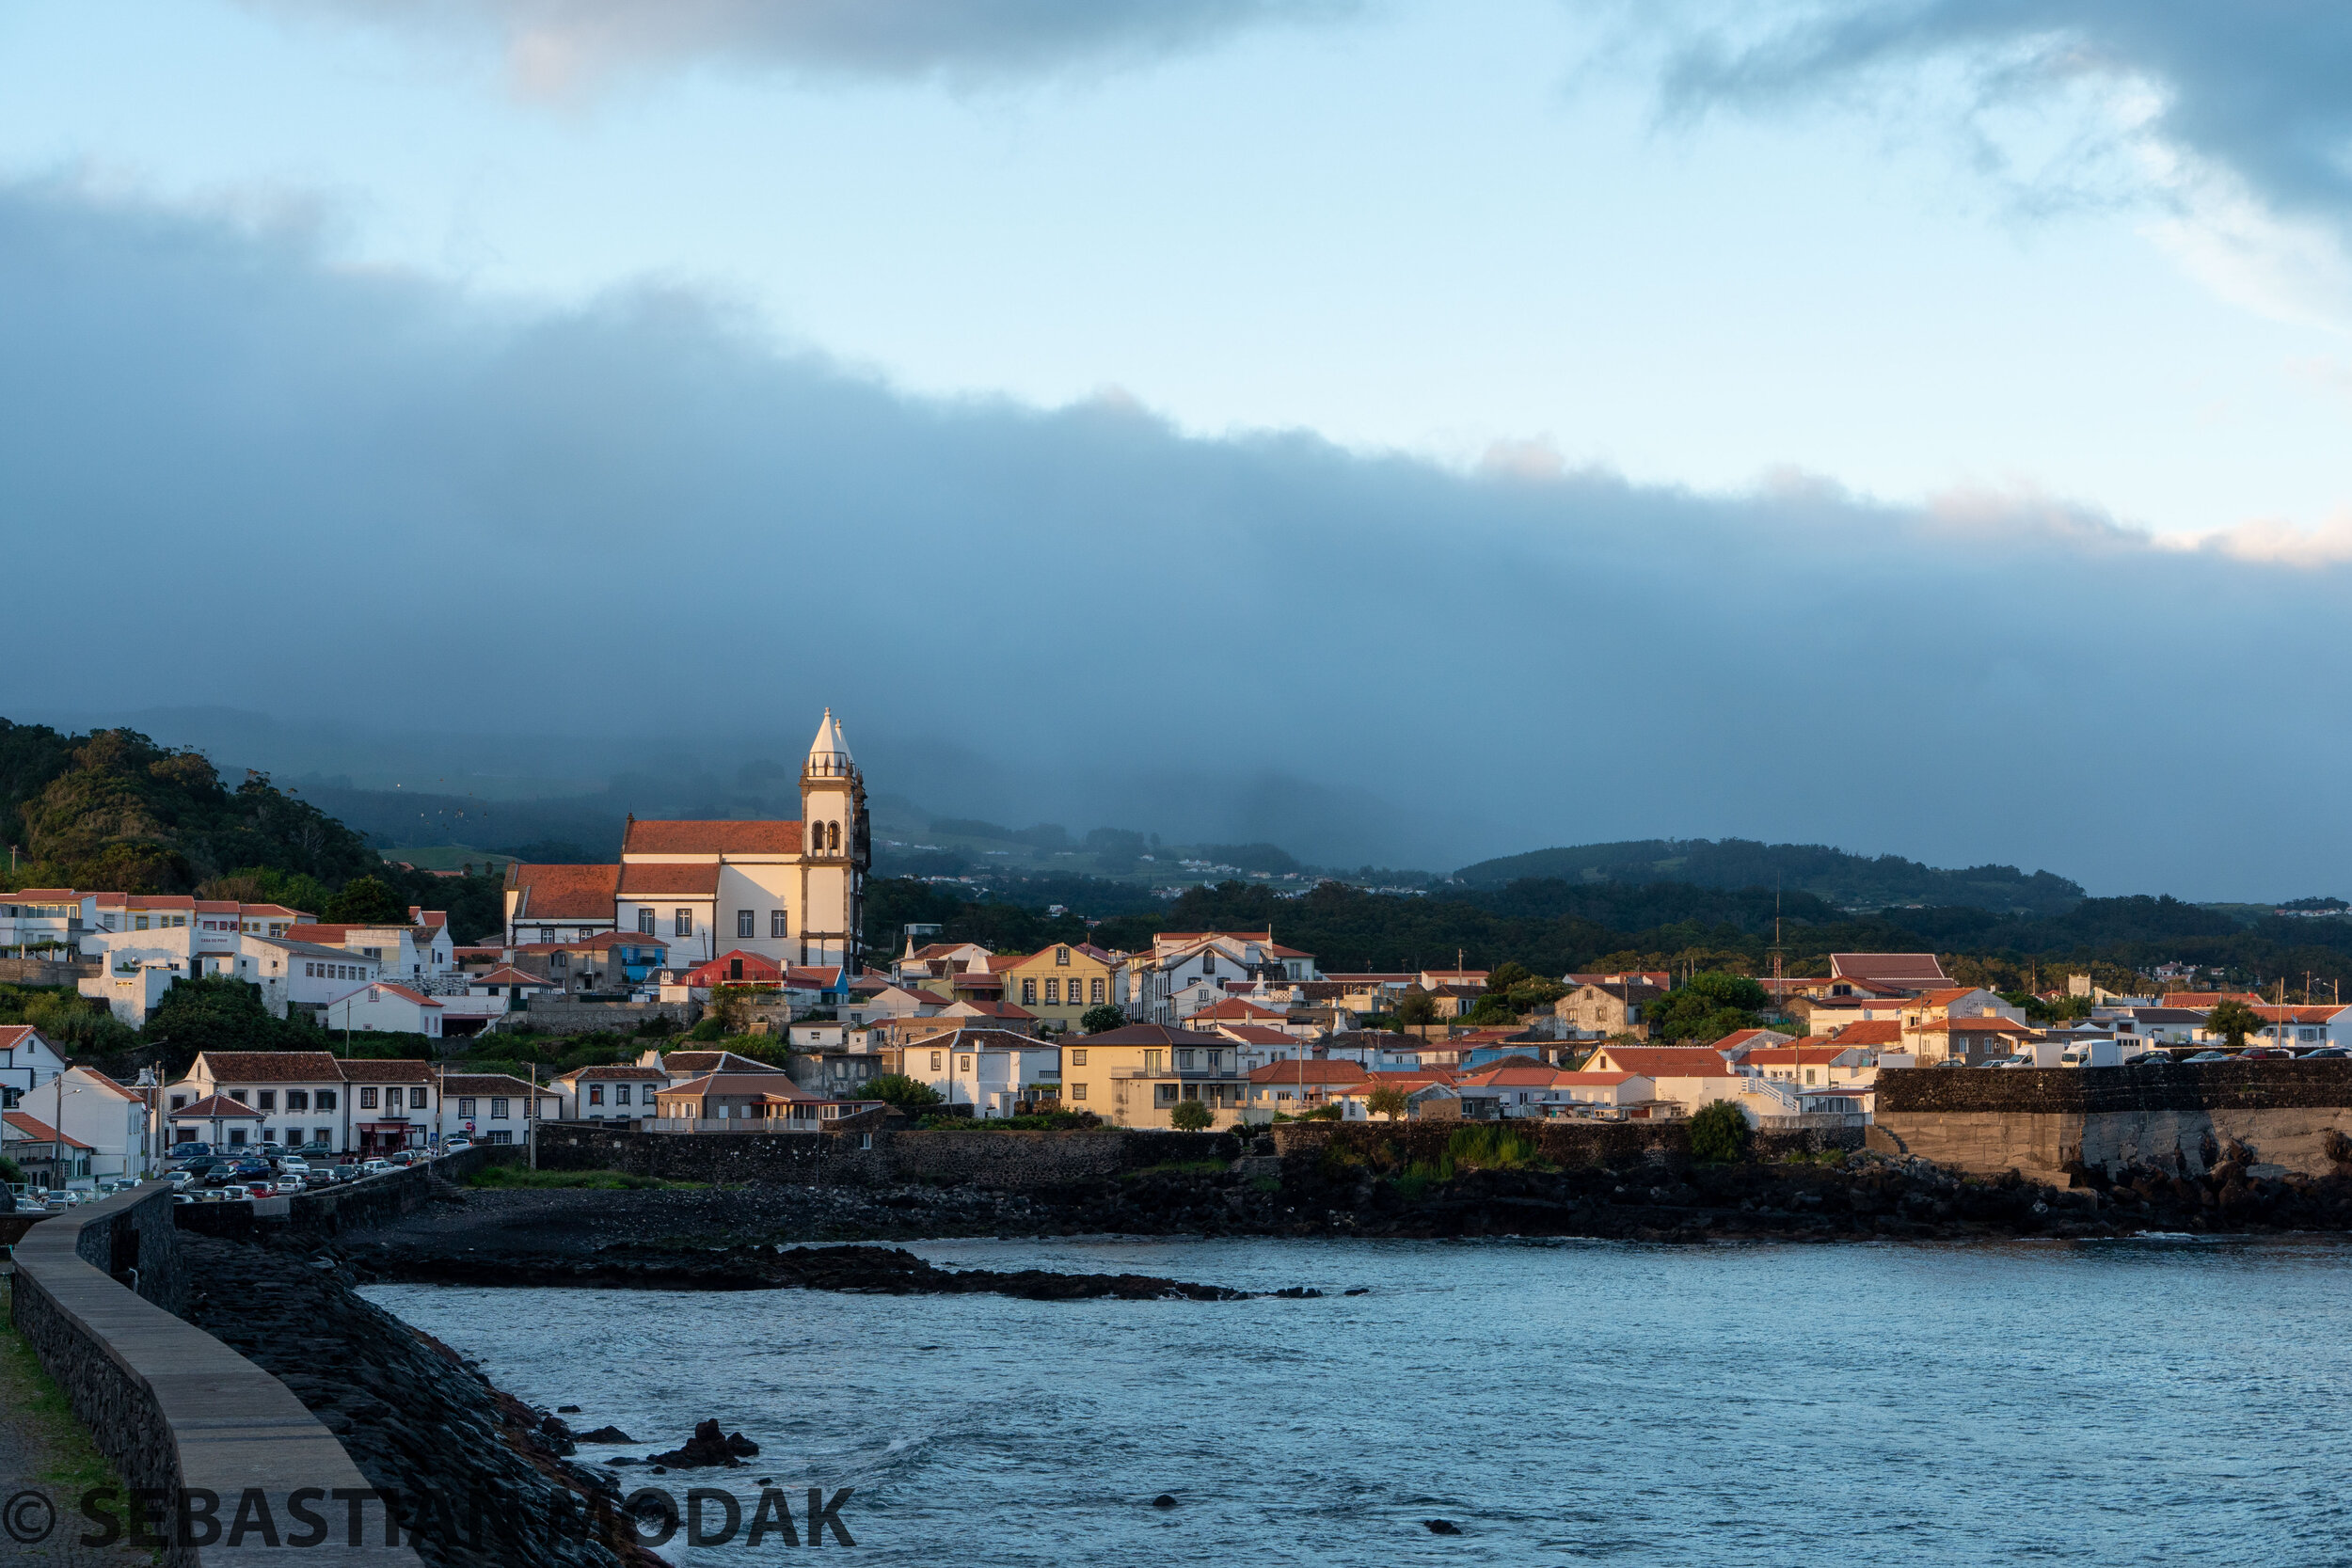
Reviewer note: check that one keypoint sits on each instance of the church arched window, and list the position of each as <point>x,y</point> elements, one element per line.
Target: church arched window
<point>833,835</point>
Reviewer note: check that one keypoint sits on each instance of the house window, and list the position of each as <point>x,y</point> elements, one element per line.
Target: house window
<point>1151,1061</point>
<point>546,933</point>
<point>1163,1094</point>
<point>682,923</point>
<point>735,969</point>
<point>322,1135</point>
<point>1208,963</point>
<point>326,1100</point>
<point>367,1100</point>
<point>465,1107</point>
<point>777,924</point>
<point>236,1137</point>
<point>268,1100</point>
<point>501,1136</point>
<point>179,1101</point>
<point>1077,1058</point>
<point>620,1094</point>
<point>237,1095</point>
<point>644,922</point>
<point>963,1064</point>
<point>1053,992</point>
<point>1077,1091</point>
<point>1029,993</point>
<point>1061,957</point>
<point>1095,992</point>
<point>498,1108</point>
<point>298,1099</point>
<point>1184,1061</point>
<point>742,922</point>
<point>596,1094</point>
<point>416,1100</point>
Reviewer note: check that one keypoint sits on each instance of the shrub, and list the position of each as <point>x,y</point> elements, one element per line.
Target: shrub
<point>1718,1133</point>
<point>1095,1021</point>
<point>708,1029</point>
<point>1386,1100</point>
<point>1191,1115</point>
<point>10,1170</point>
<point>897,1089</point>
<point>1494,1148</point>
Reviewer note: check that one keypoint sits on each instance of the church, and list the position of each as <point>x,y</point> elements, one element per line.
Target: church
<point>791,891</point>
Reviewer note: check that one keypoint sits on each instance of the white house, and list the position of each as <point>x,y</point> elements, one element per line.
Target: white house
<point>418,951</point>
<point>988,1070</point>
<point>296,1098</point>
<point>791,891</point>
<point>47,1155</point>
<point>614,1093</point>
<point>45,922</point>
<point>387,1007</point>
<point>111,1120</point>
<point>26,1062</point>
<point>1187,971</point>
<point>492,1107</point>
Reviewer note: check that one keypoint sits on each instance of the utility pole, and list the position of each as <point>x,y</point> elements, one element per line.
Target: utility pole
<point>531,1125</point>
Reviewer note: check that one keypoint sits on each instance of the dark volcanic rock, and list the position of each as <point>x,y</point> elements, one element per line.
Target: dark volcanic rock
<point>706,1449</point>
<point>605,1434</point>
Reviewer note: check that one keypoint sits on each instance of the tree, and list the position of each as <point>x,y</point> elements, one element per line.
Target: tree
<point>1535,993</point>
<point>1417,1006</point>
<point>1508,973</point>
<point>1388,1101</point>
<point>2234,1021</point>
<point>1096,1020</point>
<point>1718,1133</point>
<point>366,901</point>
<point>897,1089</point>
<point>215,1012</point>
<point>1710,1006</point>
<point>1190,1115</point>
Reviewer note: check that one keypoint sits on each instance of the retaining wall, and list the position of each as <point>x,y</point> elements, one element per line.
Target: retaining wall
<point>1567,1144</point>
<point>1007,1159</point>
<point>548,1016</point>
<point>176,1410</point>
<point>2039,1121</point>
<point>42,972</point>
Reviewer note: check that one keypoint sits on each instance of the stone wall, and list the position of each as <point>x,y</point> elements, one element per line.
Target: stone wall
<point>41,972</point>
<point>174,1408</point>
<point>1003,1160</point>
<point>548,1015</point>
<point>2041,1121</point>
<point>1571,1145</point>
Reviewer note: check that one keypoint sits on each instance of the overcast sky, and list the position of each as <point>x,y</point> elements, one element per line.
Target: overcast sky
<point>1415,430</point>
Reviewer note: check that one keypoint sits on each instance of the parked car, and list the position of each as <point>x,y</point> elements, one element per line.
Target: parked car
<point>375,1167</point>
<point>344,1173</point>
<point>2008,1061</point>
<point>316,1177</point>
<point>2326,1053</point>
<point>251,1170</point>
<point>2149,1058</point>
<point>286,1186</point>
<point>293,1164</point>
<point>187,1151</point>
<point>182,1197</point>
<point>2265,1053</point>
<point>2212,1056</point>
<point>260,1189</point>
<point>270,1151</point>
<point>456,1143</point>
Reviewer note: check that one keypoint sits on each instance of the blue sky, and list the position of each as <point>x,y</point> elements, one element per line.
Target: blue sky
<point>1880,300</point>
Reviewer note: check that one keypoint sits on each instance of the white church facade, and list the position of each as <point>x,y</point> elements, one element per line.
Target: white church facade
<point>791,891</point>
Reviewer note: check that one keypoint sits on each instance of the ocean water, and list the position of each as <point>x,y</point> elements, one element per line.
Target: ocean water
<point>2117,1402</point>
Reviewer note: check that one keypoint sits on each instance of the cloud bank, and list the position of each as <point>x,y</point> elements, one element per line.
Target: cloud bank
<point>557,45</point>
<point>235,476</point>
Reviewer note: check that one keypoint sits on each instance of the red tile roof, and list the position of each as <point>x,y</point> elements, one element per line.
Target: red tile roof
<point>39,1131</point>
<point>1314,1072</point>
<point>215,1106</point>
<point>1870,1031</point>
<point>1669,1061</point>
<point>661,879</point>
<point>563,892</point>
<point>711,838</point>
<point>1253,1033</point>
<point>507,975</point>
<point>270,1066</point>
<point>1971,1026</point>
<point>1236,1008</point>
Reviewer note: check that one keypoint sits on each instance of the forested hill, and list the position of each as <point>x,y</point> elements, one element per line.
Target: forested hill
<point>114,812</point>
<point>1842,879</point>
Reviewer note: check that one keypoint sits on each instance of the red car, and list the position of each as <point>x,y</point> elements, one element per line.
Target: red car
<point>260,1189</point>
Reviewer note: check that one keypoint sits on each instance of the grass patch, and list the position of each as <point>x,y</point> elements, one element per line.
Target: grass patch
<point>594,1181</point>
<point>69,1461</point>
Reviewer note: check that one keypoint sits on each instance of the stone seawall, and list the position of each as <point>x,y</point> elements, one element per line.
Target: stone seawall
<point>1570,1145</point>
<point>2044,1121</point>
<point>175,1409</point>
<point>882,1159</point>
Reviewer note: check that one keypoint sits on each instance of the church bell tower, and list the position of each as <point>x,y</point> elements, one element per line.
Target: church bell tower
<point>836,845</point>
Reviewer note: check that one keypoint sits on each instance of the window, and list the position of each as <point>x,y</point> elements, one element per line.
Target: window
<point>682,923</point>
<point>498,1108</point>
<point>179,1101</point>
<point>937,1058</point>
<point>596,1094</point>
<point>963,1064</point>
<point>326,1100</point>
<point>236,1137</point>
<point>1029,993</point>
<point>267,1101</point>
<point>1094,991</point>
<point>323,1136</point>
<point>743,923</point>
<point>1183,1060</point>
<point>1053,992</point>
<point>833,835</point>
<point>644,922</point>
<point>1216,1059</point>
<point>777,924</point>
<point>735,969</point>
<point>1208,963</point>
<point>237,1095</point>
<point>1151,1061</point>
<point>298,1099</point>
<point>501,1136</point>
<point>1078,1058</point>
<point>620,1094</point>
<point>1061,957</point>
<point>465,1107</point>
<point>415,1098</point>
<point>1077,1091</point>
<point>1163,1094</point>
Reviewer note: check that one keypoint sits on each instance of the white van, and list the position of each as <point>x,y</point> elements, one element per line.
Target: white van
<point>2092,1054</point>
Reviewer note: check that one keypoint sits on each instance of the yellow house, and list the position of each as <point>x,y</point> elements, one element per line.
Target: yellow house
<point>1137,1076</point>
<point>1058,984</point>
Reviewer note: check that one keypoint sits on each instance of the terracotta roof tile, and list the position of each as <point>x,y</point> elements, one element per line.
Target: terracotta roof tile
<point>711,838</point>
<point>563,892</point>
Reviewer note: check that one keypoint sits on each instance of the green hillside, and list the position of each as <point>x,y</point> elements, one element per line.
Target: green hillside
<point>1846,881</point>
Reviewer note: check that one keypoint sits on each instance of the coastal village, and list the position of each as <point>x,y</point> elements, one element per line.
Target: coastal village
<point>748,931</point>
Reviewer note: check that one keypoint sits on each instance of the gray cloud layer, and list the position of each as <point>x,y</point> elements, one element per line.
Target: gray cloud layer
<point>232,475</point>
<point>2262,88</point>
<point>557,43</point>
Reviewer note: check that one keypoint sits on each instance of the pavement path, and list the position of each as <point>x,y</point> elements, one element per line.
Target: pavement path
<point>46,1451</point>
